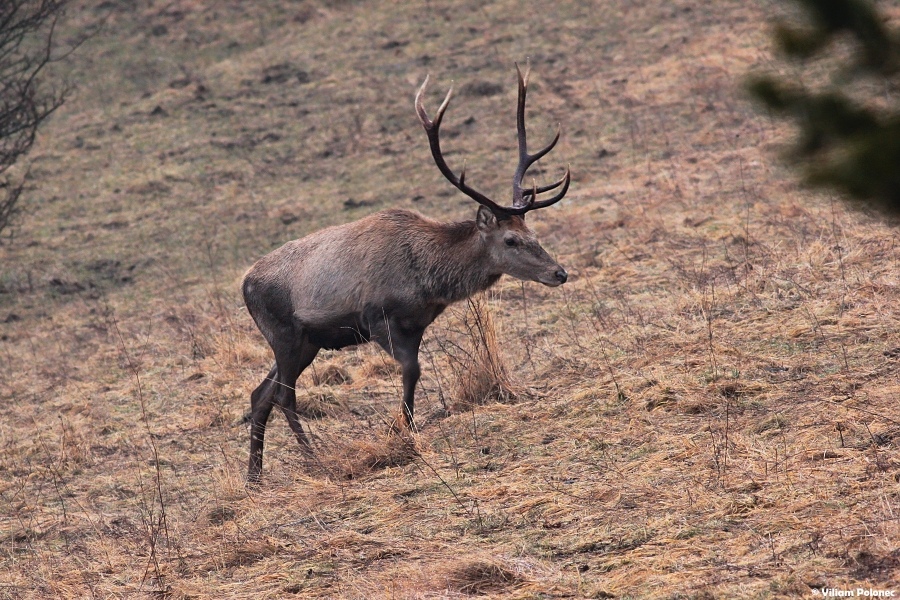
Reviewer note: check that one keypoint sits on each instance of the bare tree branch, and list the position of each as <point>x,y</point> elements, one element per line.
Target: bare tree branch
<point>27,47</point>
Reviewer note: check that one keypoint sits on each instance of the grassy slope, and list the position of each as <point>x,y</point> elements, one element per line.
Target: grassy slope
<point>708,407</point>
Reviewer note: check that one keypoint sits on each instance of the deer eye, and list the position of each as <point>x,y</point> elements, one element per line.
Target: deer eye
<point>511,242</point>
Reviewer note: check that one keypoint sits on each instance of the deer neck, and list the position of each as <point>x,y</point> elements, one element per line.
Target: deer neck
<point>463,267</point>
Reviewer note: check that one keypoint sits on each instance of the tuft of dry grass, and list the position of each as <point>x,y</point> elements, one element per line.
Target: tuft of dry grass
<point>331,374</point>
<point>320,401</point>
<point>481,375</point>
<point>482,578</point>
<point>396,449</point>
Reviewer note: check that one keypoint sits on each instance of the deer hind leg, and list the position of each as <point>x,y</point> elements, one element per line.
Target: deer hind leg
<point>263,390</point>
<point>257,416</point>
<point>278,388</point>
<point>286,395</point>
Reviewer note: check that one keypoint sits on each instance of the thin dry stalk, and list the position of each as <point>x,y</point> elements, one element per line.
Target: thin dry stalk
<point>154,510</point>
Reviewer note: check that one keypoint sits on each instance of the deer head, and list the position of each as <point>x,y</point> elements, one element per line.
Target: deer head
<point>513,246</point>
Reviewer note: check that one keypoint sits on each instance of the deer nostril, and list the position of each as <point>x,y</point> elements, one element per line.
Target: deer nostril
<point>561,275</point>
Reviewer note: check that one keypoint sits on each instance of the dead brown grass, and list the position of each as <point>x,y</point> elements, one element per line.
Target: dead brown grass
<point>706,409</point>
<point>480,374</point>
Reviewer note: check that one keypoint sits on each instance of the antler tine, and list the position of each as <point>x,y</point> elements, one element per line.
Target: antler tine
<point>532,158</point>
<point>420,107</point>
<point>432,130</point>
<point>520,108</point>
<point>566,179</point>
<point>546,188</point>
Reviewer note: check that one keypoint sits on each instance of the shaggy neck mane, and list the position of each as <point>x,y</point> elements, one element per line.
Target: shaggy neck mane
<point>460,270</point>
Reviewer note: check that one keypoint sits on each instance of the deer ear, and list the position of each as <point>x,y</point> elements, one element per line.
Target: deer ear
<point>486,220</point>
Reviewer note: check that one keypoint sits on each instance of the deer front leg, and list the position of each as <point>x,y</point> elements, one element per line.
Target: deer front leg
<point>411,374</point>
<point>403,346</point>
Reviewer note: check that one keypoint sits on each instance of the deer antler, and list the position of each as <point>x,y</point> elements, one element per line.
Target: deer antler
<point>526,160</point>
<point>523,199</point>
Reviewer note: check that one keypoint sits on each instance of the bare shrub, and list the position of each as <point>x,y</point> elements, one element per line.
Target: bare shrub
<point>26,48</point>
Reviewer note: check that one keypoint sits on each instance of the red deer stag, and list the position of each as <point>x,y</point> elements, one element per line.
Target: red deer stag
<point>386,277</point>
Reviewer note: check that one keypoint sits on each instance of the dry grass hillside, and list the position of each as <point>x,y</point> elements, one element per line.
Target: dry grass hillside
<point>707,409</point>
